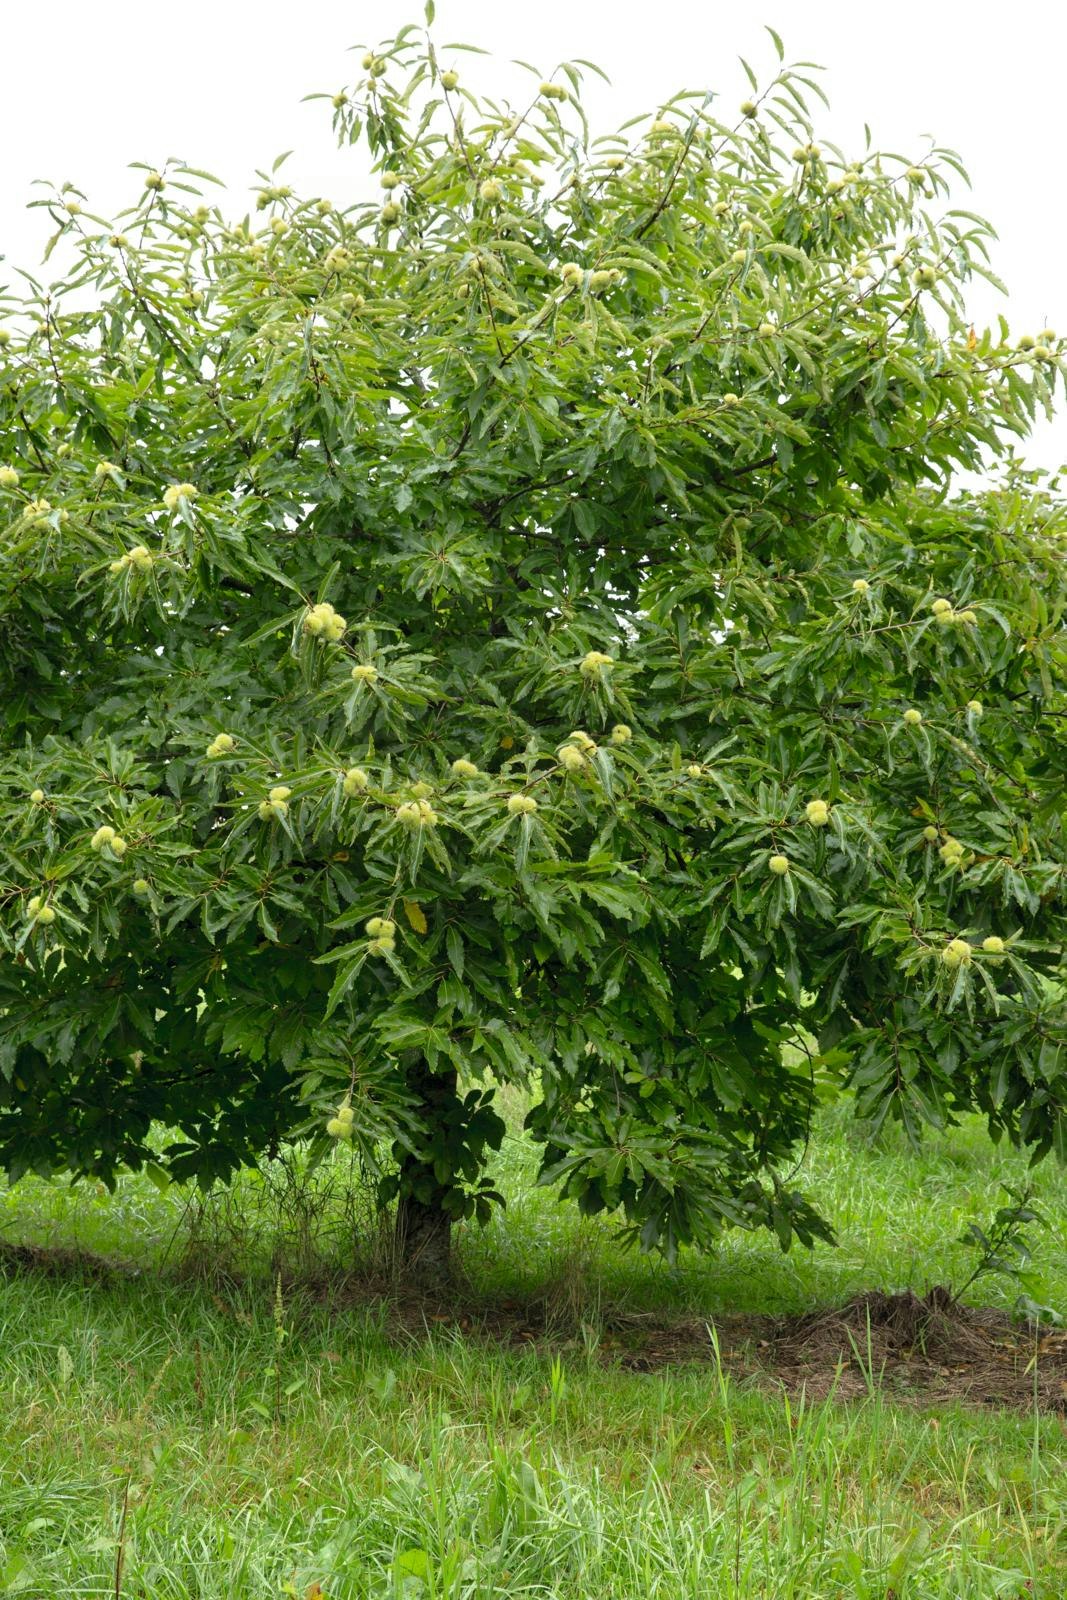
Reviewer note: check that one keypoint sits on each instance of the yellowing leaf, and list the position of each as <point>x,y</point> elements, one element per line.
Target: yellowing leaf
<point>415,915</point>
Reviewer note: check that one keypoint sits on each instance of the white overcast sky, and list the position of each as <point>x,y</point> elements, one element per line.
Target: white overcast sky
<point>86,88</point>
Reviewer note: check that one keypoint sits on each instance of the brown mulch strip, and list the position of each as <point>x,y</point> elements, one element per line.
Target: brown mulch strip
<point>925,1351</point>
<point>56,1261</point>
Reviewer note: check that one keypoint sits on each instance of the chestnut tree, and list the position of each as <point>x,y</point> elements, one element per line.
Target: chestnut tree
<point>524,628</point>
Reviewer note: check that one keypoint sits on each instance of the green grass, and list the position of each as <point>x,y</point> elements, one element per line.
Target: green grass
<point>266,1446</point>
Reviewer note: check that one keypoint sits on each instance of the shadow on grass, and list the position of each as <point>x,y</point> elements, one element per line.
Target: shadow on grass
<point>922,1350</point>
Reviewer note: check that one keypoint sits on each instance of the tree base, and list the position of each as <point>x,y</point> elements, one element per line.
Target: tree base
<point>422,1242</point>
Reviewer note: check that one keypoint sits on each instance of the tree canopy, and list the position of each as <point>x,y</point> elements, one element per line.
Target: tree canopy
<point>524,627</point>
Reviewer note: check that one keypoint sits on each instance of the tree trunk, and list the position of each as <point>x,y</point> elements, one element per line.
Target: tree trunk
<point>423,1233</point>
<point>423,1241</point>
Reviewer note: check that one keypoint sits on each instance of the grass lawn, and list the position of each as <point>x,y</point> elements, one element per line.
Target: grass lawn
<point>231,1443</point>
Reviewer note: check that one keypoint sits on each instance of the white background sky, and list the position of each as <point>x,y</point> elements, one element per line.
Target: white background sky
<point>87,88</point>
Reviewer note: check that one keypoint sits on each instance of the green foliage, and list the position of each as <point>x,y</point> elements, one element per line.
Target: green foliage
<point>618,470</point>
<point>1005,1251</point>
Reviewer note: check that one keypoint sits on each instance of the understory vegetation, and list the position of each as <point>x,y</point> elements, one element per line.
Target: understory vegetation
<point>207,1391</point>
